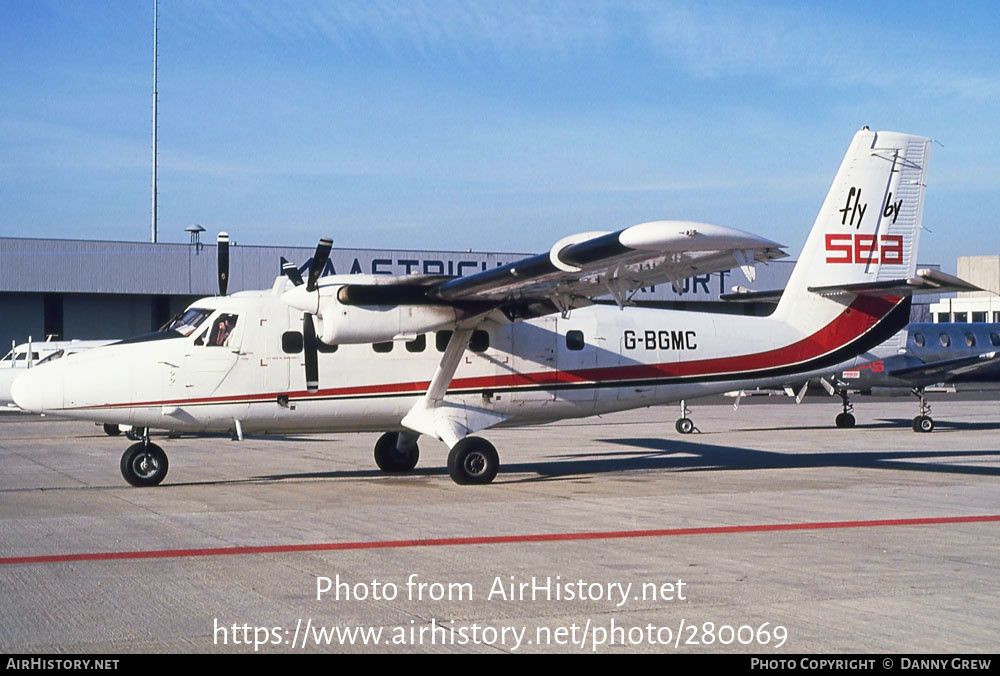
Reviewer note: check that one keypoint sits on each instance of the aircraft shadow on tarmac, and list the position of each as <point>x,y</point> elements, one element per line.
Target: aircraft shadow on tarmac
<point>682,456</point>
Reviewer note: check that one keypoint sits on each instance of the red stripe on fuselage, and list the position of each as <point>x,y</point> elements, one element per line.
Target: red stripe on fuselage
<point>857,319</point>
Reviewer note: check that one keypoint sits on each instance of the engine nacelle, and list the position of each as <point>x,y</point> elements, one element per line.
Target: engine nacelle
<point>340,323</point>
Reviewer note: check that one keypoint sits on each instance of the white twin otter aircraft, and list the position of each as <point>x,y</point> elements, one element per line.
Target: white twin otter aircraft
<point>521,344</point>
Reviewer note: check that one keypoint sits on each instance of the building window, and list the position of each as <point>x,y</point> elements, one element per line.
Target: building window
<point>382,348</point>
<point>943,317</point>
<point>574,340</point>
<point>961,317</point>
<point>979,316</point>
<point>918,339</point>
<point>945,339</point>
<point>418,344</point>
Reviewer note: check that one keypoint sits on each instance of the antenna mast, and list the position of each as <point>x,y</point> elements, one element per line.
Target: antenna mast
<point>154,119</point>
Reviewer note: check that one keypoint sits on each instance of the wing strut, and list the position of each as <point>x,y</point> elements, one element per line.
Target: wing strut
<point>449,421</point>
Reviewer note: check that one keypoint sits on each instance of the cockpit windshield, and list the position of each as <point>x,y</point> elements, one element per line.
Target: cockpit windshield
<point>186,323</point>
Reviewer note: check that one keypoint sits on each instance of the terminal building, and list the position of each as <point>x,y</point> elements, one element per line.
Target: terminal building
<point>86,289</point>
<point>973,306</point>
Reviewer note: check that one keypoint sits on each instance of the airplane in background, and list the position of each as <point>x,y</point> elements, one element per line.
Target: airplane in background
<point>521,344</point>
<point>26,355</point>
<point>933,354</point>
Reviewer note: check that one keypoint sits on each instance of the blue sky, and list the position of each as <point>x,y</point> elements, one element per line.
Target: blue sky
<point>485,125</point>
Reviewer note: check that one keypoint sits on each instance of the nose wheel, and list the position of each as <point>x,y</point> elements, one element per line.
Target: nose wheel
<point>144,464</point>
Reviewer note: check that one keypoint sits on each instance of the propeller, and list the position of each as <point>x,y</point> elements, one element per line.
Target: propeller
<point>320,258</point>
<point>310,342</point>
<point>223,248</point>
<point>292,272</point>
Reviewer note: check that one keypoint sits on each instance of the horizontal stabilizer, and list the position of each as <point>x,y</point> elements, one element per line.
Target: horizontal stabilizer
<point>753,296</point>
<point>926,281</point>
<point>944,370</point>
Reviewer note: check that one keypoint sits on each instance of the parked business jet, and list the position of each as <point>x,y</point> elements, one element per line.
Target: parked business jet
<point>933,353</point>
<point>520,344</point>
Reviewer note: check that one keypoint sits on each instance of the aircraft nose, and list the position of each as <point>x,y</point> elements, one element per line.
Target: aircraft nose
<point>37,390</point>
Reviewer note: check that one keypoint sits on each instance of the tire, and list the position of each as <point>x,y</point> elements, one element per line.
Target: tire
<point>144,464</point>
<point>391,459</point>
<point>684,425</point>
<point>845,420</point>
<point>473,461</point>
<point>923,423</point>
<point>112,430</point>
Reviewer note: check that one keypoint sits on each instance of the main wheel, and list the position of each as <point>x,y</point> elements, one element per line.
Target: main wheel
<point>684,425</point>
<point>144,464</point>
<point>389,458</point>
<point>473,461</point>
<point>845,420</point>
<point>112,430</point>
<point>923,423</point>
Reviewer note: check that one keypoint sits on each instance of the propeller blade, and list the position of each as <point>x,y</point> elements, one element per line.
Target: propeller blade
<point>291,272</point>
<point>223,247</point>
<point>311,353</point>
<point>320,258</point>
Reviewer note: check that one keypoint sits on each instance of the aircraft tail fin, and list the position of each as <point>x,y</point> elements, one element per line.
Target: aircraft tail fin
<point>868,229</point>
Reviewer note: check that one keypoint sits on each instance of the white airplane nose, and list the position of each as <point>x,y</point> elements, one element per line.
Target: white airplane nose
<point>37,390</point>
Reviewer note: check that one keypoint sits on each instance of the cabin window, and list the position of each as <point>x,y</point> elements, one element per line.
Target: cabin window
<point>222,330</point>
<point>441,339</point>
<point>918,339</point>
<point>418,344</point>
<point>574,340</point>
<point>291,342</point>
<point>995,339</point>
<point>970,340</point>
<point>480,341</point>
<point>324,348</point>
<point>383,347</point>
<point>945,339</point>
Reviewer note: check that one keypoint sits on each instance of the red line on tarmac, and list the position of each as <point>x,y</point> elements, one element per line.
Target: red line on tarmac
<point>490,540</point>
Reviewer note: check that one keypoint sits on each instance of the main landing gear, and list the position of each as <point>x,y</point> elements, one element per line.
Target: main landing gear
<point>684,424</point>
<point>396,452</point>
<point>845,419</point>
<point>472,460</point>
<point>923,422</point>
<point>144,463</point>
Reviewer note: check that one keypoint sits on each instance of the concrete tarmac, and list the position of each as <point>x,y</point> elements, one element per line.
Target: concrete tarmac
<point>769,532</point>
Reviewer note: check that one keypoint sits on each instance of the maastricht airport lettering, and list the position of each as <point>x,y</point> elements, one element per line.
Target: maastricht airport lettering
<point>660,340</point>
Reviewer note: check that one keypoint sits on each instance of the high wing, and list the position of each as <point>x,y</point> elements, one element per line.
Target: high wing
<point>946,369</point>
<point>590,265</point>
